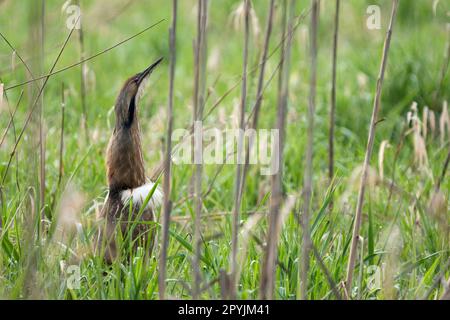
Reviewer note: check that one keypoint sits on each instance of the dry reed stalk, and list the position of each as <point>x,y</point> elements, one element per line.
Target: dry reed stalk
<point>238,191</point>
<point>263,61</point>
<point>256,108</point>
<point>160,168</point>
<point>167,161</point>
<point>199,92</point>
<point>83,72</point>
<point>307,187</point>
<point>267,282</point>
<point>42,119</point>
<point>42,149</point>
<point>61,138</point>
<point>259,92</point>
<point>369,149</point>
<point>35,103</point>
<point>333,95</point>
<point>267,270</point>
<point>32,150</point>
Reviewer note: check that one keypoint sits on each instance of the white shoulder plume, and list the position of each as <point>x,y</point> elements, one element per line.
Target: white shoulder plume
<point>139,194</point>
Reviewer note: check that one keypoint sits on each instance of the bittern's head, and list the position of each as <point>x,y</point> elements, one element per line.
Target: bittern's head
<point>129,96</point>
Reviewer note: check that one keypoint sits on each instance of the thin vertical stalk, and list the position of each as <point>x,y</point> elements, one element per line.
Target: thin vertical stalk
<point>32,149</point>
<point>369,149</point>
<point>41,120</point>
<point>83,70</point>
<point>333,94</point>
<point>199,92</point>
<point>196,43</point>
<point>260,89</point>
<point>167,161</point>
<point>307,188</point>
<point>34,106</point>
<point>238,183</point>
<point>61,138</point>
<point>267,283</point>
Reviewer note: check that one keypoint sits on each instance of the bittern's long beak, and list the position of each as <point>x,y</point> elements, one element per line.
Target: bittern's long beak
<point>144,74</point>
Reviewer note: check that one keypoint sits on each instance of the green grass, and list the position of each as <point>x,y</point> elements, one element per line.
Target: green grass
<point>31,261</point>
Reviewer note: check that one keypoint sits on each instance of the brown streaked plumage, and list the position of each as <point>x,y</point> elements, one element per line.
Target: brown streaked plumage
<point>126,173</point>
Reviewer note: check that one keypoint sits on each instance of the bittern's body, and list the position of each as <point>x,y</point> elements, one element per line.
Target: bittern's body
<point>126,175</point>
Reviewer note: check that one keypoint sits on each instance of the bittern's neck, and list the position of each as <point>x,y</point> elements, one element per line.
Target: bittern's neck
<point>125,164</point>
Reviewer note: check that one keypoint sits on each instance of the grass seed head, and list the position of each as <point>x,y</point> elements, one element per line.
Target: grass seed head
<point>237,18</point>
<point>384,145</point>
<point>425,122</point>
<point>354,182</point>
<point>438,208</point>
<point>432,119</point>
<point>362,81</point>
<point>420,150</point>
<point>214,59</point>
<point>394,246</point>
<point>72,202</point>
